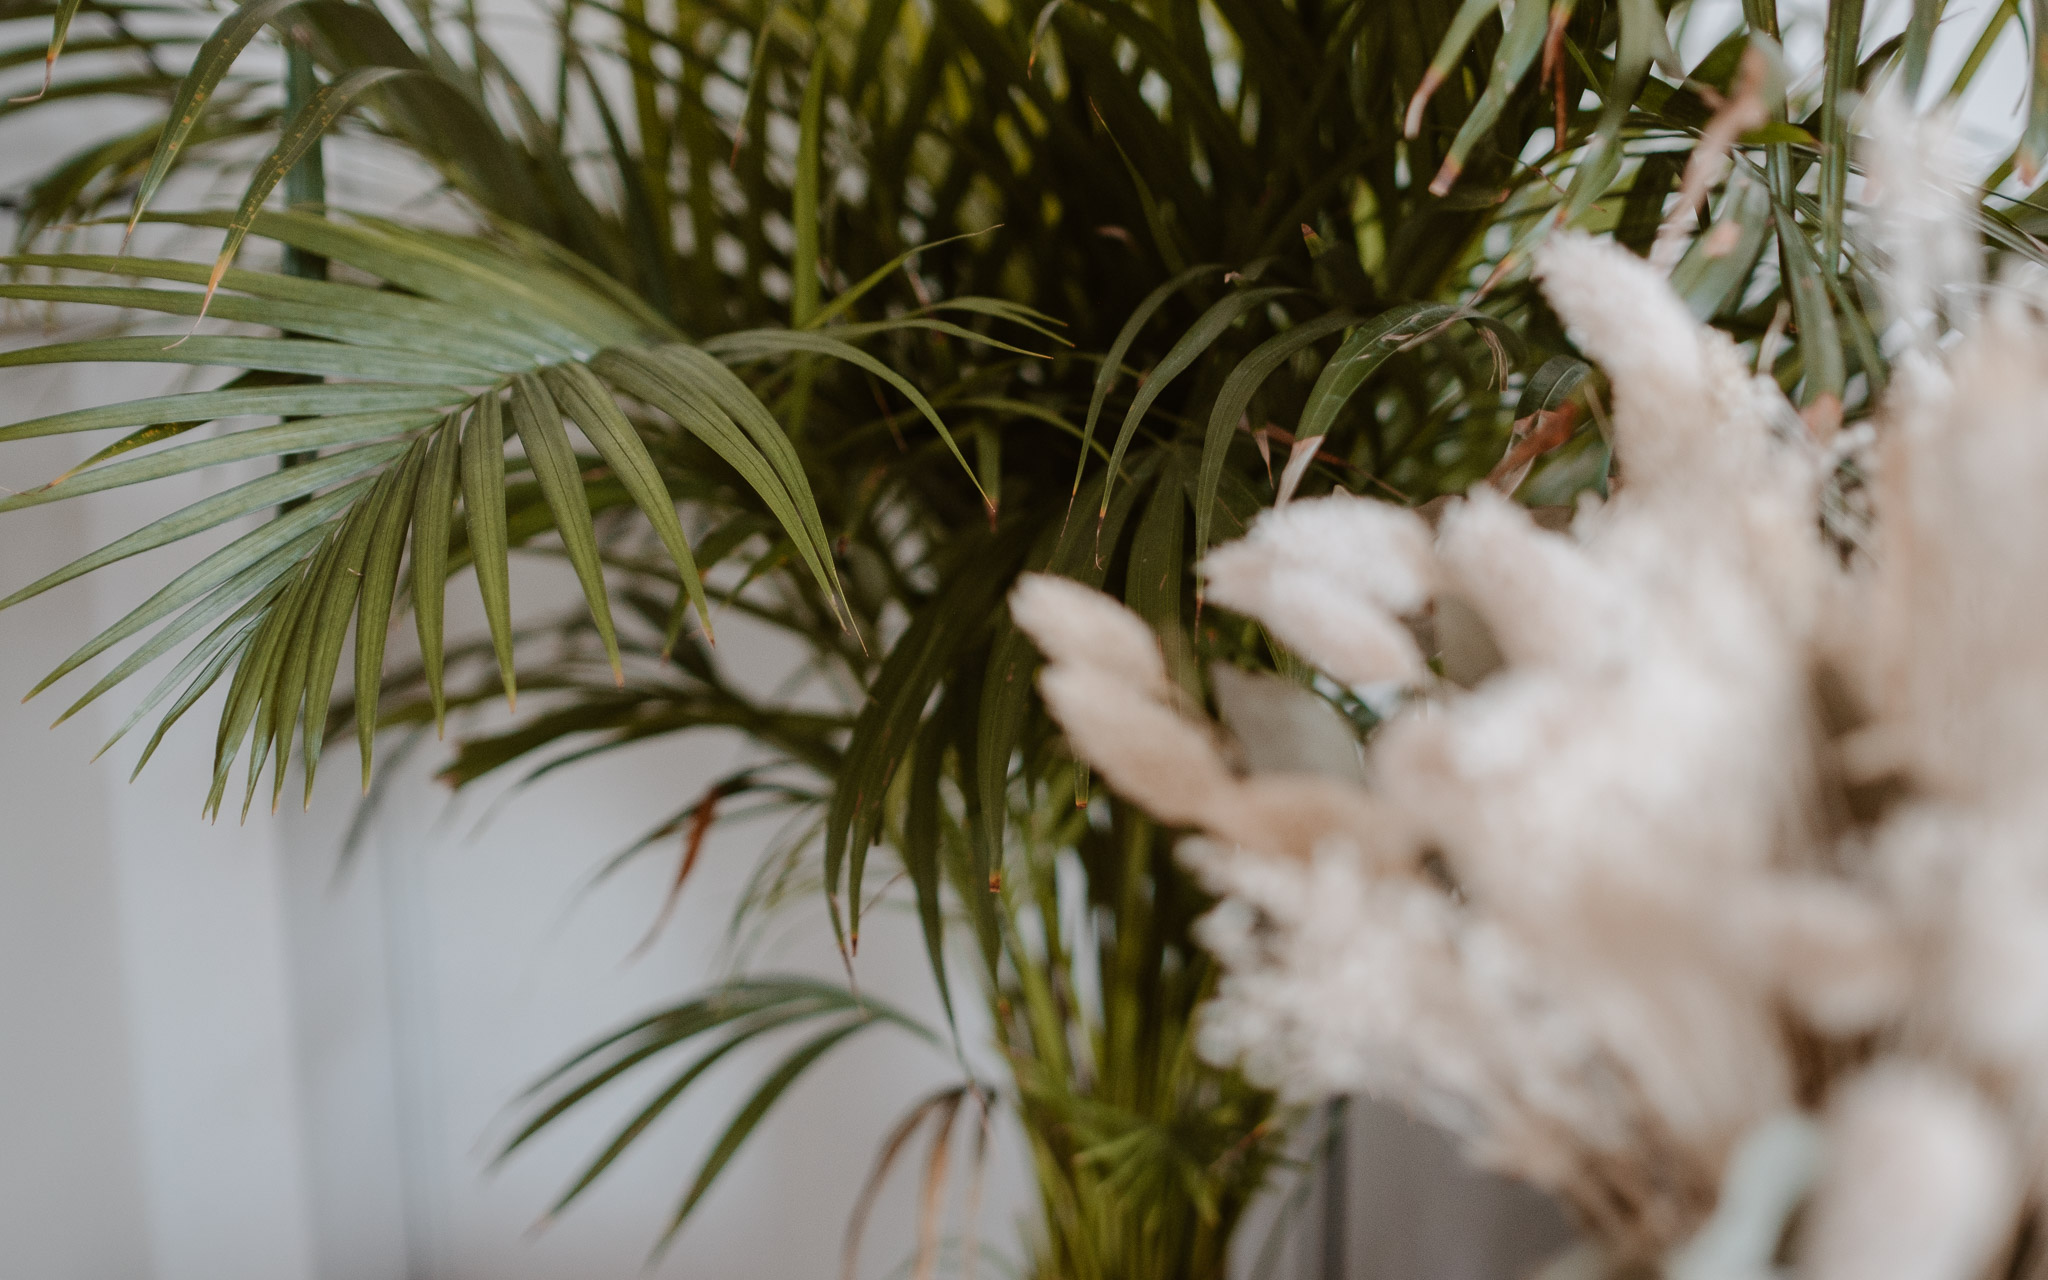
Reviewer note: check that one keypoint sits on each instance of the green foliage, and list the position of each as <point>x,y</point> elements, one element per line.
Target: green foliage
<point>820,314</point>
<point>733,1016</point>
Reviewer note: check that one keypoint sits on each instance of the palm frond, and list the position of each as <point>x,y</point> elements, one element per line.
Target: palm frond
<point>461,335</point>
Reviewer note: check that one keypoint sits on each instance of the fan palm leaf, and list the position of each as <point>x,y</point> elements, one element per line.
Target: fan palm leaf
<point>460,336</point>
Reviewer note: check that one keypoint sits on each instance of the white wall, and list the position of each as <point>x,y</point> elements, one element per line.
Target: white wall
<point>229,1055</point>
<point>226,1055</point>
<point>232,1055</point>
<point>163,1015</point>
<point>70,1177</point>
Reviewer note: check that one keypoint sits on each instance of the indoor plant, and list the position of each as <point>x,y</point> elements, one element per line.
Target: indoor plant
<point>1134,180</point>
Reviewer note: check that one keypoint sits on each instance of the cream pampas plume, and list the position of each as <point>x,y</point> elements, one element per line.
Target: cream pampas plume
<point>1920,1183</point>
<point>1739,835</point>
<point>1107,686</point>
<point>1333,579</point>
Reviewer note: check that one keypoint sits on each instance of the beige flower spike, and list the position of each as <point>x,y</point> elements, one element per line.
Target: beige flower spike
<point>1731,835</point>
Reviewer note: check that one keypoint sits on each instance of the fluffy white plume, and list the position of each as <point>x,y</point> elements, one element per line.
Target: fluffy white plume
<point>1332,579</point>
<point>1070,622</point>
<point>1720,831</point>
<point>1919,1183</point>
<point>1922,203</point>
<point>1106,684</point>
<point>1685,410</point>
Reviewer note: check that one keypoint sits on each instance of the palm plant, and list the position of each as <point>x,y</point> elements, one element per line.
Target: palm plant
<point>858,310</point>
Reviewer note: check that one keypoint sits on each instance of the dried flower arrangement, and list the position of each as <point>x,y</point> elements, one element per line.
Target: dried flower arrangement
<point>1699,872</point>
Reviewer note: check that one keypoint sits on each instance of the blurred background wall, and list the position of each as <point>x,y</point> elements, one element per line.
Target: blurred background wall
<point>267,1051</point>
<point>230,1051</point>
<point>239,1052</point>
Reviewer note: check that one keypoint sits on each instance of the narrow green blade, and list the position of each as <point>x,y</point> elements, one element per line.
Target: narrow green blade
<point>209,67</point>
<point>538,421</point>
<point>243,499</point>
<point>238,590</point>
<point>667,382</point>
<point>1199,338</point>
<point>60,27</point>
<point>433,514</point>
<point>1112,361</point>
<point>750,1115</point>
<point>238,446</point>
<point>279,355</point>
<point>755,344</point>
<point>315,400</point>
<point>254,547</point>
<point>483,507</point>
<point>301,134</point>
<point>391,515</point>
<point>803,266</point>
<point>1231,402</point>
<point>577,390</point>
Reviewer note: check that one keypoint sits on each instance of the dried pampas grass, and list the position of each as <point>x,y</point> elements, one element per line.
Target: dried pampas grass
<point>1741,833</point>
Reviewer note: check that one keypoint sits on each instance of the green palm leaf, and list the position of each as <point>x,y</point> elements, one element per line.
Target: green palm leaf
<point>389,447</point>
